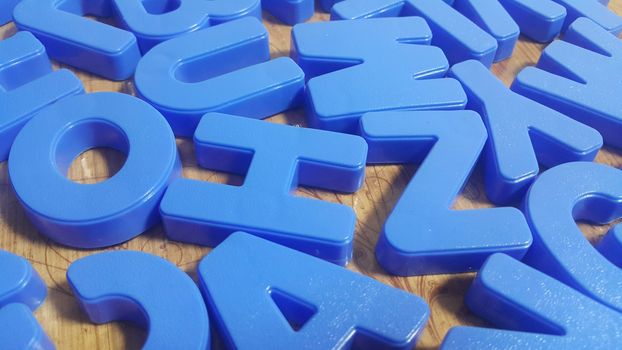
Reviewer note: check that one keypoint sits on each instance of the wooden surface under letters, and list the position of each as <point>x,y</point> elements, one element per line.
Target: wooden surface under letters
<point>69,327</point>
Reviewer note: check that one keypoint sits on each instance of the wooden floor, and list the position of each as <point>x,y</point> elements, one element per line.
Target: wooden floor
<point>69,328</point>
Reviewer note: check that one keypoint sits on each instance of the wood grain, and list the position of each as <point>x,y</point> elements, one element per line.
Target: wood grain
<point>70,329</point>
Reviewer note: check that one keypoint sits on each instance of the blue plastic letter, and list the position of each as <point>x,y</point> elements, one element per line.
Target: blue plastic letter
<point>6,10</point>
<point>278,158</point>
<point>494,20</point>
<point>459,38</point>
<point>109,212</point>
<point>226,69</point>
<point>113,52</point>
<point>520,130</point>
<point>540,313</point>
<point>20,282</point>
<point>369,65</point>
<point>580,77</point>
<point>144,289</point>
<point>27,85</point>
<point>561,195</point>
<point>290,11</point>
<point>543,20</point>
<point>295,301</point>
<point>155,21</point>
<point>89,45</point>
<point>539,20</point>
<point>21,292</point>
<point>423,235</point>
<point>610,245</point>
<point>596,10</point>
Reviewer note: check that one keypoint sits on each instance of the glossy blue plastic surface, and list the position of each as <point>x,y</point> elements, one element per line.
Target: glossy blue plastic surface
<point>226,68</point>
<point>459,37</point>
<point>610,245</point>
<point>290,11</point>
<point>295,301</point>
<point>27,85</point>
<point>112,52</point>
<point>423,234</point>
<point>146,290</point>
<point>6,10</point>
<point>596,10</point>
<point>21,292</point>
<point>276,159</point>
<point>109,212</point>
<point>20,282</point>
<point>368,65</point>
<point>543,20</point>
<point>522,133</point>
<point>539,313</point>
<point>326,5</point>
<point>575,191</point>
<point>580,77</point>
<point>539,20</point>
<point>495,20</point>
